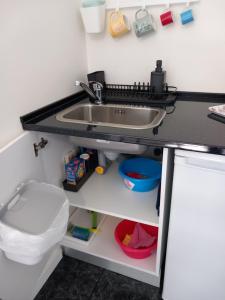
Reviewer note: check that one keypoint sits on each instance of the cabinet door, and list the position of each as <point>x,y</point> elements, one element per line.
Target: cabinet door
<point>195,264</point>
<point>19,164</point>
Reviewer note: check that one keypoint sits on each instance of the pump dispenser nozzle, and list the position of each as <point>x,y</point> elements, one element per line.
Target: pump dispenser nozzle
<point>158,66</point>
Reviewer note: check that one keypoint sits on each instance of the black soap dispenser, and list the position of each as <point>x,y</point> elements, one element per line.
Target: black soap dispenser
<point>158,79</point>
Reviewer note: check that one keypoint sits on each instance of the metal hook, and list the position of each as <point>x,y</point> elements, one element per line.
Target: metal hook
<point>117,5</point>
<point>187,4</point>
<point>168,4</point>
<point>144,4</point>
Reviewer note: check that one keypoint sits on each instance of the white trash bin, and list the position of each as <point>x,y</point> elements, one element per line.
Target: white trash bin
<point>33,221</point>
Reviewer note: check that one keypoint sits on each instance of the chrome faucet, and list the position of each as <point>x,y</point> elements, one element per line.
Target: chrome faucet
<point>97,86</point>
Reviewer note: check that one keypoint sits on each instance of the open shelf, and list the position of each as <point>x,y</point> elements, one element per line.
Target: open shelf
<point>107,194</point>
<point>104,246</point>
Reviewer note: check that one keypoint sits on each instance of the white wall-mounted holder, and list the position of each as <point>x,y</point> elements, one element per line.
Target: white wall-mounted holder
<point>113,4</point>
<point>93,18</point>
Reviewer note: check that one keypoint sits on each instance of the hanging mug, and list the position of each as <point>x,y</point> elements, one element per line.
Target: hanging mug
<point>186,16</point>
<point>144,23</point>
<point>166,18</point>
<point>118,24</point>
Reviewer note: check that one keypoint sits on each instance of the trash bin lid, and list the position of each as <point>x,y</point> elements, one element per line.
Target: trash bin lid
<point>35,208</point>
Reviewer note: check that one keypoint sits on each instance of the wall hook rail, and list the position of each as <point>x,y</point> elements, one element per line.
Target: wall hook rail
<point>113,4</point>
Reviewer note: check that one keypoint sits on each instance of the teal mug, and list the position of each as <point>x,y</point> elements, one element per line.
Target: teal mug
<point>187,16</point>
<point>144,23</point>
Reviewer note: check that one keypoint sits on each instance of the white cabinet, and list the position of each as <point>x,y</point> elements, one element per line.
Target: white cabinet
<point>195,265</point>
<point>105,194</point>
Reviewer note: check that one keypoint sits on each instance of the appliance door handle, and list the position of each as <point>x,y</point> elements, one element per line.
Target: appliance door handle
<point>213,165</point>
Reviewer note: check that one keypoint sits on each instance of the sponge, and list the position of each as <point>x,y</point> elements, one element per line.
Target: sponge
<point>80,233</point>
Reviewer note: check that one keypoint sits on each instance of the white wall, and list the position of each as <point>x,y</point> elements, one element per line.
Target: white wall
<point>42,53</point>
<point>193,55</point>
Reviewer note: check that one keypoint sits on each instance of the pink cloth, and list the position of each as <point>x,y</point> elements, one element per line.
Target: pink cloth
<point>140,238</point>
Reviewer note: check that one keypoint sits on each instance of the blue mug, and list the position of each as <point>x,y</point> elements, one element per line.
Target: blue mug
<point>187,16</point>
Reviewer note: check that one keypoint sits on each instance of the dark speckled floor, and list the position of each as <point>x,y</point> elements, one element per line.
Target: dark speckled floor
<point>77,280</point>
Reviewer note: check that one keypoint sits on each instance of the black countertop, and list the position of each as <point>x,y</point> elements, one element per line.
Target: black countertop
<point>186,126</point>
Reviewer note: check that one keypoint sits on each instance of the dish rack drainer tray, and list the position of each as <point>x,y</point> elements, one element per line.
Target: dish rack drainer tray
<point>139,94</point>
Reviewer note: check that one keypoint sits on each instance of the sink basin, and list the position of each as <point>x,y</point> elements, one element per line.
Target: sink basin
<point>112,115</point>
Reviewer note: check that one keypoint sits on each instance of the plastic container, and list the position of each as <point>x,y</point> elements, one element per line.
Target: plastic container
<point>149,168</point>
<point>93,18</point>
<point>34,220</point>
<point>127,227</point>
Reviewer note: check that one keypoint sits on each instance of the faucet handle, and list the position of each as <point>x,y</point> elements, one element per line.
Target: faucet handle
<point>96,85</point>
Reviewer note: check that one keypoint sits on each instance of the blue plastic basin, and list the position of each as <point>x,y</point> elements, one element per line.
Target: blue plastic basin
<point>149,168</point>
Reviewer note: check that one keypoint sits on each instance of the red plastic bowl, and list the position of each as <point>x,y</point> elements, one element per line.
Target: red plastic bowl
<point>127,227</point>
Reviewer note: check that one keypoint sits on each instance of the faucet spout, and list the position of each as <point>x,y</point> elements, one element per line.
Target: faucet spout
<point>86,88</point>
<point>97,86</point>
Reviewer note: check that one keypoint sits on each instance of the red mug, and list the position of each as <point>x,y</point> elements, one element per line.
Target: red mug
<point>166,18</point>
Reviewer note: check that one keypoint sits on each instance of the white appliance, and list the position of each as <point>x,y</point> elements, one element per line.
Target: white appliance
<point>195,264</point>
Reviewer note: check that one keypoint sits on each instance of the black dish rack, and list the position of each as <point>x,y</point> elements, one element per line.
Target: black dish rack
<point>141,94</point>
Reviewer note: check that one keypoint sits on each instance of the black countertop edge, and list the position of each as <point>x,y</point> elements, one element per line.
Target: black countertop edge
<point>129,139</point>
<point>200,96</point>
<point>48,110</point>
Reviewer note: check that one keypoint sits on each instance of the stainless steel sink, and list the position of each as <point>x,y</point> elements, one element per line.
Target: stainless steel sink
<point>112,115</point>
